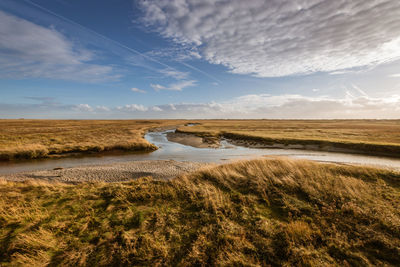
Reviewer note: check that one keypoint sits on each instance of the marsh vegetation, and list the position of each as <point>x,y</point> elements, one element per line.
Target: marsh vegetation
<point>249,213</point>
<point>28,139</point>
<point>372,137</point>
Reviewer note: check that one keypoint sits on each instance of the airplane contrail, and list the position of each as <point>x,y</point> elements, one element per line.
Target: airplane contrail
<point>118,43</point>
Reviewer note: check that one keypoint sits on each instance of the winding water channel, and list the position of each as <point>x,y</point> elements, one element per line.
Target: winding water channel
<point>175,151</point>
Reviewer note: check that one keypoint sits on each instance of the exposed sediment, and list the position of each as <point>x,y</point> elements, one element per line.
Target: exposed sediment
<point>117,172</point>
<point>193,140</point>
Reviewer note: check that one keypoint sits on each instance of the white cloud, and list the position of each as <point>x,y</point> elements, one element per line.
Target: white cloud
<point>280,107</point>
<point>30,50</point>
<point>179,86</point>
<point>397,75</point>
<point>102,109</point>
<point>132,107</point>
<point>137,90</point>
<point>270,38</point>
<point>289,106</point>
<point>83,107</point>
<point>155,108</point>
<point>174,74</point>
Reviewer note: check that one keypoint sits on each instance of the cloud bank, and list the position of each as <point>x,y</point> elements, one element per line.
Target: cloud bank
<point>262,106</point>
<point>271,38</point>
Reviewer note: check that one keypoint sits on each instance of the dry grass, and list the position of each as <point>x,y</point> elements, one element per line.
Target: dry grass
<point>26,139</point>
<point>379,137</point>
<point>252,213</point>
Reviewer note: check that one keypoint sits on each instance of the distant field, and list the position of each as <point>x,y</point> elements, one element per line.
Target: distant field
<point>26,139</point>
<point>379,137</point>
<point>271,212</point>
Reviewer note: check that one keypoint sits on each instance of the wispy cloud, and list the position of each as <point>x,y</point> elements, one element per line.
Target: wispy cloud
<point>397,75</point>
<point>181,53</point>
<point>179,86</point>
<point>29,50</point>
<point>280,38</point>
<point>359,90</point>
<point>43,100</point>
<point>137,90</point>
<point>84,69</point>
<point>179,75</point>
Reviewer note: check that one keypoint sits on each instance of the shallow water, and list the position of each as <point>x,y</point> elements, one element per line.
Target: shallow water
<point>174,151</point>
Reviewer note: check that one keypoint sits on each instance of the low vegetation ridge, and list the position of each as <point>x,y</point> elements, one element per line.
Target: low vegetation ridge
<point>252,213</point>
<point>373,137</point>
<point>29,139</point>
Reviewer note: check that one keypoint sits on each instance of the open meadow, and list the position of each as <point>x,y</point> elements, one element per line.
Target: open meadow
<point>276,212</point>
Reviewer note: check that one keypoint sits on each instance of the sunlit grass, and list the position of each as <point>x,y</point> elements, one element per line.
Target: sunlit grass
<point>250,213</point>
<point>25,139</point>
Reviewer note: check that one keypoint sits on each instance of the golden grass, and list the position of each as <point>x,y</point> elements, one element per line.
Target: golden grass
<point>379,137</point>
<point>25,139</point>
<point>275,212</point>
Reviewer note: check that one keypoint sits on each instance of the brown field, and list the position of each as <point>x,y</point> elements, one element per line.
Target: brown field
<point>375,137</point>
<point>271,212</point>
<point>26,139</point>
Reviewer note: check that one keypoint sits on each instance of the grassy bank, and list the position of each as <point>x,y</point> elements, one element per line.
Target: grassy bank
<point>252,213</point>
<point>27,139</point>
<point>374,137</point>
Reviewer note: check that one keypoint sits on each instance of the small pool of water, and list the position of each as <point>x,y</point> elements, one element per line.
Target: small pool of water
<point>175,151</point>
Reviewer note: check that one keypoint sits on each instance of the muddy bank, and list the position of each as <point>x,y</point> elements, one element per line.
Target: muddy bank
<point>315,145</point>
<point>117,172</point>
<point>193,140</point>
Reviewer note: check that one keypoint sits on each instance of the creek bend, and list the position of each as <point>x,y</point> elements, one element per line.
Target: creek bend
<point>175,151</point>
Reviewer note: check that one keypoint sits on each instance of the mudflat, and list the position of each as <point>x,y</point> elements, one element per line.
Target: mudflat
<point>117,172</point>
<point>193,140</point>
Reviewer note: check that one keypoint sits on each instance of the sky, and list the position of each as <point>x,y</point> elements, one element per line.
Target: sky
<point>268,59</point>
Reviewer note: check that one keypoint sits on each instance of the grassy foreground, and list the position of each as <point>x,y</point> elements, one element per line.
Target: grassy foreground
<point>251,213</point>
<point>27,139</point>
<point>374,137</point>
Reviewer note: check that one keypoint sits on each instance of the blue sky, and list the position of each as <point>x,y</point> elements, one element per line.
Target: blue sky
<point>199,59</point>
